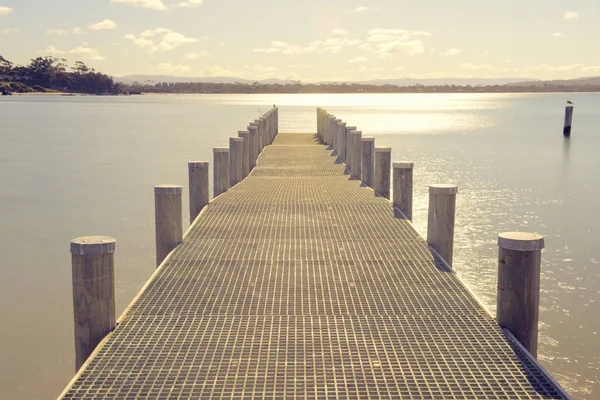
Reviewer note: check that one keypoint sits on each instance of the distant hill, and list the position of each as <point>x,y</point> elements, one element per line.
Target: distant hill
<point>153,79</point>
<point>594,81</point>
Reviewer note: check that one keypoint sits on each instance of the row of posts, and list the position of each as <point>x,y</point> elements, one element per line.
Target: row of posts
<point>519,256</point>
<point>93,268</point>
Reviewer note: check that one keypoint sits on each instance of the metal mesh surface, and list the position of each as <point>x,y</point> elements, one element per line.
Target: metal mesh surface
<point>298,282</point>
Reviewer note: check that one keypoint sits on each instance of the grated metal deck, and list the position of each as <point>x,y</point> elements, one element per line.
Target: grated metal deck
<point>298,282</point>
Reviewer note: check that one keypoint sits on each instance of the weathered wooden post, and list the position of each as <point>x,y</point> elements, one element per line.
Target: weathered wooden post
<point>255,144</point>
<point>367,161</point>
<point>220,170</point>
<point>330,130</point>
<point>276,121</point>
<point>259,136</point>
<point>383,167</point>
<point>346,146</point>
<point>93,274</point>
<point>168,219</point>
<point>440,222</point>
<point>356,150</point>
<point>518,299</point>
<point>568,120</point>
<point>336,135</point>
<point>319,131</point>
<point>403,187</point>
<point>236,157</point>
<point>245,135</point>
<point>198,176</point>
<point>341,141</point>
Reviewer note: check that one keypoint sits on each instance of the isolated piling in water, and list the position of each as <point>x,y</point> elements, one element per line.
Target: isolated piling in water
<point>568,120</point>
<point>199,196</point>
<point>245,135</point>
<point>518,298</point>
<point>356,150</point>
<point>383,161</point>
<point>220,170</point>
<point>367,161</point>
<point>440,221</point>
<point>93,273</point>
<point>168,219</point>
<point>236,154</point>
<point>403,187</point>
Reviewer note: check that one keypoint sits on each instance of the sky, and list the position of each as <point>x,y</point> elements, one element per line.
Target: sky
<point>310,40</point>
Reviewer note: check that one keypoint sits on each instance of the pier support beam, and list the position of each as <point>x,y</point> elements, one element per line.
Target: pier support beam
<point>518,300</point>
<point>356,151</point>
<point>440,223</point>
<point>220,170</point>
<point>168,219</point>
<point>199,197</point>
<point>245,135</point>
<point>403,187</point>
<point>367,163</point>
<point>236,160</point>
<point>383,167</point>
<point>93,271</point>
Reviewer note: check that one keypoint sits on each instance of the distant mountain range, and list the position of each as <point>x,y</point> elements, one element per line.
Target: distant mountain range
<point>153,79</point>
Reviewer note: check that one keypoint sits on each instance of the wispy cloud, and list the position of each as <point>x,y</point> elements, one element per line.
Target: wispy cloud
<point>86,53</point>
<point>390,43</point>
<point>159,40</point>
<point>357,60</point>
<point>171,68</point>
<point>340,31</point>
<point>452,52</point>
<point>58,32</point>
<point>571,15</point>
<point>78,31</point>
<point>4,11</point>
<point>160,5</point>
<point>558,34</point>
<point>559,68</point>
<point>107,24</point>
<point>358,10</point>
<point>8,31</point>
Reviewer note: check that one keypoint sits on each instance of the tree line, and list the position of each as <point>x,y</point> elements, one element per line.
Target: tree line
<point>48,73</point>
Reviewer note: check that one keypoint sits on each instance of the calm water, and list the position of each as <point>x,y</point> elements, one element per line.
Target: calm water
<point>74,166</point>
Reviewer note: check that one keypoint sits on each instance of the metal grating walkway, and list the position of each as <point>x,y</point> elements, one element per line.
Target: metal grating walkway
<point>298,282</point>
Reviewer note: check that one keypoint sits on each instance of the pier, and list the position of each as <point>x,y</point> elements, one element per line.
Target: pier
<point>299,280</point>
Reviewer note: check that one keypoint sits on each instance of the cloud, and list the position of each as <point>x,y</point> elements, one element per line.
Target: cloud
<point>571,15</point>
<point>390,43</point>
<point>170,68</point>
<point>4,11</point>
<point>558,34</point>
<point>286,48</point>
<point>58,32</point>
<point>357,60</point>
<point>195,56</point>
<point>159,5</point>
<point>107,24</point>
<point>358,10</point>
<point>9,31</point>
<point>475,67</point>
<point>86,53</point>
<point>452,52</point>
<point>559,68</point>
<point>339,31</point>
<point>159,40</point>
<point>78,31</point>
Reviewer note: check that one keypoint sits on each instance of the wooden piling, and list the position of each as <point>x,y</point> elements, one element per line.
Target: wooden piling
<point>403,187</point>
<point>568,120</point>
<point>440,222</point>
<point>93,274</point>
<point>253,146</point>
<point>236,160</point>
<point>383,161</point>
<point>245,135</point>
<point>346,146</point>
<point>220,170</point>
<point>168,219</point>
<point>198,178</point>
<point>367,163</point>
<point>518,299</point>
<point>336,135</point>
<point>356,149</point>
<point>342,141</point>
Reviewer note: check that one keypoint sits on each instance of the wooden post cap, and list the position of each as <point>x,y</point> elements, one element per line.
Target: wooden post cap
<point>368,139</point>
<point>220,149</point>
<point>197,164</point>
<point>93,245</point>
<point>443,189</point>
<point>383,149</point>
<point>521,241</point>
<point>338,120</point>
<point>253,124</point>
<point>236,139</point>
<point>355,132</point>
<point>168,189</point>
<point>351,128</point>
<point>404,164</point>
<point>242,133</point>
